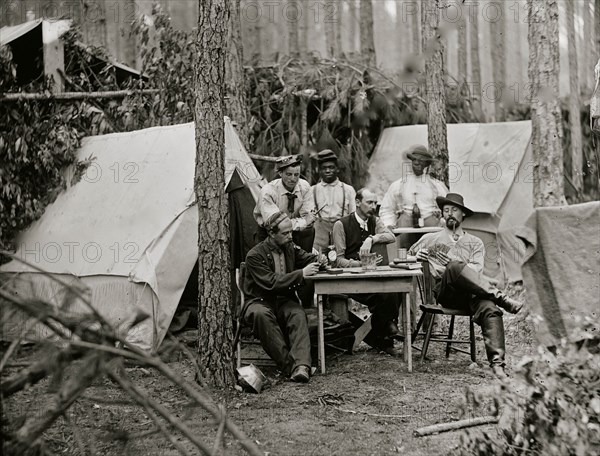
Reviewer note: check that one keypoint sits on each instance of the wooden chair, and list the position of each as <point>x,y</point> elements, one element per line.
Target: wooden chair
<point>259,356</point>
<point>430,310</point>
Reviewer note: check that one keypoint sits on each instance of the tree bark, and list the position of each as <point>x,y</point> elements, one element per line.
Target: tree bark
<point>338,28</point>
<point>462,50</point>
<point>236,104</point>
<point>354,20</point>
<point>415,26</point>
<point>597,28</point>
<point>303,28</point>
<point>587,57</point>
<point>546,138</point>
<point>367,41</point>
<point>433,48</point>
<point>329,24</point>
<point>292,17</point>
<point>574,112</point>
<point>475,62</point>
<point>215,321</point>
<point>498,37</point>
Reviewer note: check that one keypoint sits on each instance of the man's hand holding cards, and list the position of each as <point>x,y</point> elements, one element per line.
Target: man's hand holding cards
<point>440,253</point>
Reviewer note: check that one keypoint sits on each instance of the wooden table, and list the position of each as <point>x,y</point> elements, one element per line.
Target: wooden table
<point>423,230</point>
<point>354,280</point>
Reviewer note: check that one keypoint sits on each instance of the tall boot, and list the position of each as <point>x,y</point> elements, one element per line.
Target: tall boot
<point>492,329</point>
<point>470,280</point>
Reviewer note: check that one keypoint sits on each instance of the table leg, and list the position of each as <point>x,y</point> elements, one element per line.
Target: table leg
<point>407,332</point>
<point>321,334</point>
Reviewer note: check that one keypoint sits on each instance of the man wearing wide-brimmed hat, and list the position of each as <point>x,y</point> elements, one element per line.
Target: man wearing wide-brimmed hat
<point>291,195</point>
<point>333,198</point>
<point>415,186</point>
<point>456,260</point>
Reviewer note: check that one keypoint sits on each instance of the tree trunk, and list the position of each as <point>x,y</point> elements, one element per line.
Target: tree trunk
<point>498,37</point>
<point>303,29</point>
<point>597,27</point>
<point>462,50</point>
<point>574,112</point>
<point>433,48</point>
<point>338,4</point>
<point>415,26</point>
<point>236,105</point>
<point>548,177</point>
<point>475,62</point>
<point>292,16</point>
<point>354,20</point>
<point>367,42</point>
<point>586,50</point>
<point>329,24</point>
<point>215,321</point>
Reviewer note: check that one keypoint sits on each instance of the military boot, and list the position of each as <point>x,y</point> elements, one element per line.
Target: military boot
<point>492,329</point>
<point>470,280</point>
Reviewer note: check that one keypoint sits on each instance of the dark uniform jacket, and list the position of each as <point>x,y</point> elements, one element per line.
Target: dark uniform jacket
<point>261,281</point>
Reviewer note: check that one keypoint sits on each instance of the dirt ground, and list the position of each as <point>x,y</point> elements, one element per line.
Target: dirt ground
<point>366,404</point>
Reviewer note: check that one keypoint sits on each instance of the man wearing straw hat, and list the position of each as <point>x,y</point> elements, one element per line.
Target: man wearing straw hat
<point>414,187</point>
<point>275,269</point>
<point>333,198</point>
<point>291,195</point>
<point>456,260</point>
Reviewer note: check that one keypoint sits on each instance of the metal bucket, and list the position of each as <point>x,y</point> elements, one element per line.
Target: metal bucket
<point>251,378</point>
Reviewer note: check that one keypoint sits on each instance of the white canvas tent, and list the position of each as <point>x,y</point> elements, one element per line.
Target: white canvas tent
<point>490,165</point>
<point>127,229</point>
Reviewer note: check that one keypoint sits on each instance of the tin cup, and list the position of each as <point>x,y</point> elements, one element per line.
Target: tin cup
<point>402,254</point>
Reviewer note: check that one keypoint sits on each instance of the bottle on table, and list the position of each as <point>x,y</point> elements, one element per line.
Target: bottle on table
<point>330,252</point>
<point>417,220</point>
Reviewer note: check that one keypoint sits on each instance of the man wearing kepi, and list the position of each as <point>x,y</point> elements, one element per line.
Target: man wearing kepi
<point>291,195</point>
<point>357,233</point>
<point>333,199</point>
<point>275,270</point>
<point>410,201</point>
<point>456,260</point>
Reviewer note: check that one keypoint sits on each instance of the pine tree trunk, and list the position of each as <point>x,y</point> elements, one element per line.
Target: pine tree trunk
<point>433,48</point>
<point>416,28</point>
<point>597,28</point>
<point>586,52</point>
<point>475,62</point>
<point>574,112</point>
<point>548,178</point>
<point>236,105</point>
<point>367,42</point>
<point>354,20</point>
<point>338,4</point>
<point>215,321</point>
<point>462,50</point>
<point>303,27</point>
<point>329,23</point>
<point>293,17</point>
<point>498,37</point>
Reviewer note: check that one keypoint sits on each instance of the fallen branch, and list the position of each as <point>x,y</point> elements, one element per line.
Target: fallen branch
<point>218,445</point>
<point>75,95</point>
<point>455,425</point>
<point>149,405</point>
<point>263,158</point>
<point>376,415</point>
<point>35,425</point>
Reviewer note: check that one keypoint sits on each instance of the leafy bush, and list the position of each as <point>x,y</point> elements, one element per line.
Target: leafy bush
<point>552,408</point>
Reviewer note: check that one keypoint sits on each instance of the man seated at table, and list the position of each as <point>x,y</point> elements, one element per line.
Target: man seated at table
<point>456,259</point>
<point>355,234</point>
<point>275,269</point>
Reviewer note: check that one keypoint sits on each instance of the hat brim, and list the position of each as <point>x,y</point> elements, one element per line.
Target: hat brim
<point>296,162</point>
<point>411,156</point>
<point>442,201</point>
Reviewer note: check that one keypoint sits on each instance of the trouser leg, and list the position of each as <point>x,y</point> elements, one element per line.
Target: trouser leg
<point>292,317</point>
<point>489,317</point>
<point>266,327</point>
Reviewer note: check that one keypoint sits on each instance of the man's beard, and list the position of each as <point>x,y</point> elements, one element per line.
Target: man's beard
<point>452,223</point>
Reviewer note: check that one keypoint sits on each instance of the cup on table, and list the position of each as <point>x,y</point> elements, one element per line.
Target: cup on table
<point>368,261</point>
<point>402,254</point>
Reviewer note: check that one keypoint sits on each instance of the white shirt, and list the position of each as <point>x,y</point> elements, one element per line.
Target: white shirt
<point>331,197</point>
<point>273,198</point>
<point>363,223</point>
<point>403,193</point>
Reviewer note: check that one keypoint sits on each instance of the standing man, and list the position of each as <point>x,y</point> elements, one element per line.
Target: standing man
<point>416,187</point>
<point>333,199</point>
<point>291,195</point>
<point>459,283</point>
<point>275,269</point>
<point>357,233</point>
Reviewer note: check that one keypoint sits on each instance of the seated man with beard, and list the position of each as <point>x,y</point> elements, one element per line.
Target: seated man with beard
<point>275,269</point>
<point>355,234</point>
<point>459,284</point>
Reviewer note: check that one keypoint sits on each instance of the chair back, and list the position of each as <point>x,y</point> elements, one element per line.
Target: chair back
<point>426,284</point>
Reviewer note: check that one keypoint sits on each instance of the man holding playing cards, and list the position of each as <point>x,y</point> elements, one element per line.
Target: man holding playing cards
<point>456,262</point>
